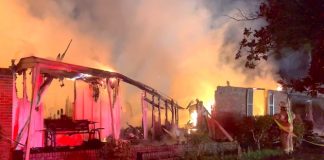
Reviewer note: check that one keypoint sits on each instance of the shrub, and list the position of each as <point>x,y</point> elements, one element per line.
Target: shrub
<point>261,132</point>
<point>299,130</point>
<point>254,131</point>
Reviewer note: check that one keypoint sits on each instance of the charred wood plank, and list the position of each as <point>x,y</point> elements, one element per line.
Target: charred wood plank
<point>153,103</point>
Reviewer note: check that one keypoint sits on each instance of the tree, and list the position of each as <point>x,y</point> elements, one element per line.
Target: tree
<point>293,24</point>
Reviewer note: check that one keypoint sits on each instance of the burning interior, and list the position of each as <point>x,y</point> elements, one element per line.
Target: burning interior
<point>95,113</point>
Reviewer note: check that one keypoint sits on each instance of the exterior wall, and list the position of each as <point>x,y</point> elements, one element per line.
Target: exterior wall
<point>6,88</point>
<point>278,97</point>
<point>230,100</point>
<point>234,100</point>
<point>318,115</point>
<point>80,155</point>
<point>310,109</point>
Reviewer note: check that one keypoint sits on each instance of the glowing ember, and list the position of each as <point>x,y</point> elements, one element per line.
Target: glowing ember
<point>192,130</point>
<point>113,82</point>
<point>81,76</point>
<point>279,88</point>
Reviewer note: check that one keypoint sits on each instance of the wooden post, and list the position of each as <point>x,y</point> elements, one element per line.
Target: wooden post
<point>83,106</point>
<point>24,88</point>
<point>100,131</point>
<point>175,114</point>
<point>166,112</point>
<point>35,89</point>
<point>144,115</point>
<point>21,132</point>
<point>74,99</point>
<point>159,109</point>
<point>177,117</point>
<point>153,119</point>
<point>172,113</point>
<point>110,108</point>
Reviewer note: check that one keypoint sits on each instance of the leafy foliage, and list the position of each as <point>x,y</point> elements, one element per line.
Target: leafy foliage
<point>260,132</point>
<point>255,131</point>
<point>299,130</point>
<point>294,24</point>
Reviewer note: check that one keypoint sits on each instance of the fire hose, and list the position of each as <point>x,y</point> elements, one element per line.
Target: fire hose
<point>283,128</point>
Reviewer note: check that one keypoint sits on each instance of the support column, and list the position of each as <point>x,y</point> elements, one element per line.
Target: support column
<point>153,118</point>
<point>176,111</point>
<point>172,113</point>
<point>24,101</point>
<point>35,88</point>
<point>159,109</point>
<point>166,113</point>
<point>144,115</point>
<point>110,107</point>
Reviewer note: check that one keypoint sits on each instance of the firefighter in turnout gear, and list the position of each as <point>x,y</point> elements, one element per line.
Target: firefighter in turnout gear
<point>284,120</point>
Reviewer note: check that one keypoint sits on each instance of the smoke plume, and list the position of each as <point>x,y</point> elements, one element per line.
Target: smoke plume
<point>182,48</point>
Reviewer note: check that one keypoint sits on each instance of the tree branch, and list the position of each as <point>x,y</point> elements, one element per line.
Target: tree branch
<point>243,16</point>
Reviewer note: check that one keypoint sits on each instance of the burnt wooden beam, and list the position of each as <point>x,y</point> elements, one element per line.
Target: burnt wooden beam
<point>159,109</point>
<point>66,70</point>
<point>177,116</point>
<point>172,113</point>
<point>153,103</point>
<point>166,112</point>
<point>153,117</point>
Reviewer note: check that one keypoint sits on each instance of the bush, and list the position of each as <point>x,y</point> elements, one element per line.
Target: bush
<point>299,130</point>
<point>255,131</point>
<point>260,132</point>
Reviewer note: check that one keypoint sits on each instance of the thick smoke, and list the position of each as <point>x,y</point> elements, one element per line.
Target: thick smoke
<point>293,64</point>
<point>183,48</point>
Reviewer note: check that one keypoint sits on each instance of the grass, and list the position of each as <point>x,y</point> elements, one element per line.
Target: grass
<point>261,154</point>
<point>254,155</point>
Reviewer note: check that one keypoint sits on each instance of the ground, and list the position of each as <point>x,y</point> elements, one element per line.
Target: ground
<point>305,153</point>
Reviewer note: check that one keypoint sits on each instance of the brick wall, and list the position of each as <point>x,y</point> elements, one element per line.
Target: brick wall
<point>6,85</point>
<point>231,100</point>
<point>89,154</point>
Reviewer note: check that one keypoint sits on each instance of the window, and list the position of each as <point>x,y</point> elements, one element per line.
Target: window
<point>271,103</point>
<point>249,104</point>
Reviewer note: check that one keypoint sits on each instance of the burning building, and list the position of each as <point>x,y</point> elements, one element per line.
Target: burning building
<point>96,110</point>
<point>238,101</point>
<point>248,101</point>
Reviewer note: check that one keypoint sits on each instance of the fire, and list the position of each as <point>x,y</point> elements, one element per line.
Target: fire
<point>209,105</point>
<point>102,66</point>
<point>279,88</point>
<point>193,118</point>
<point>187,75</point>
<point>259,102</point>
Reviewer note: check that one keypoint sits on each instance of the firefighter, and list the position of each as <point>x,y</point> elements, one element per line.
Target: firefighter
<point>284,119</point>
